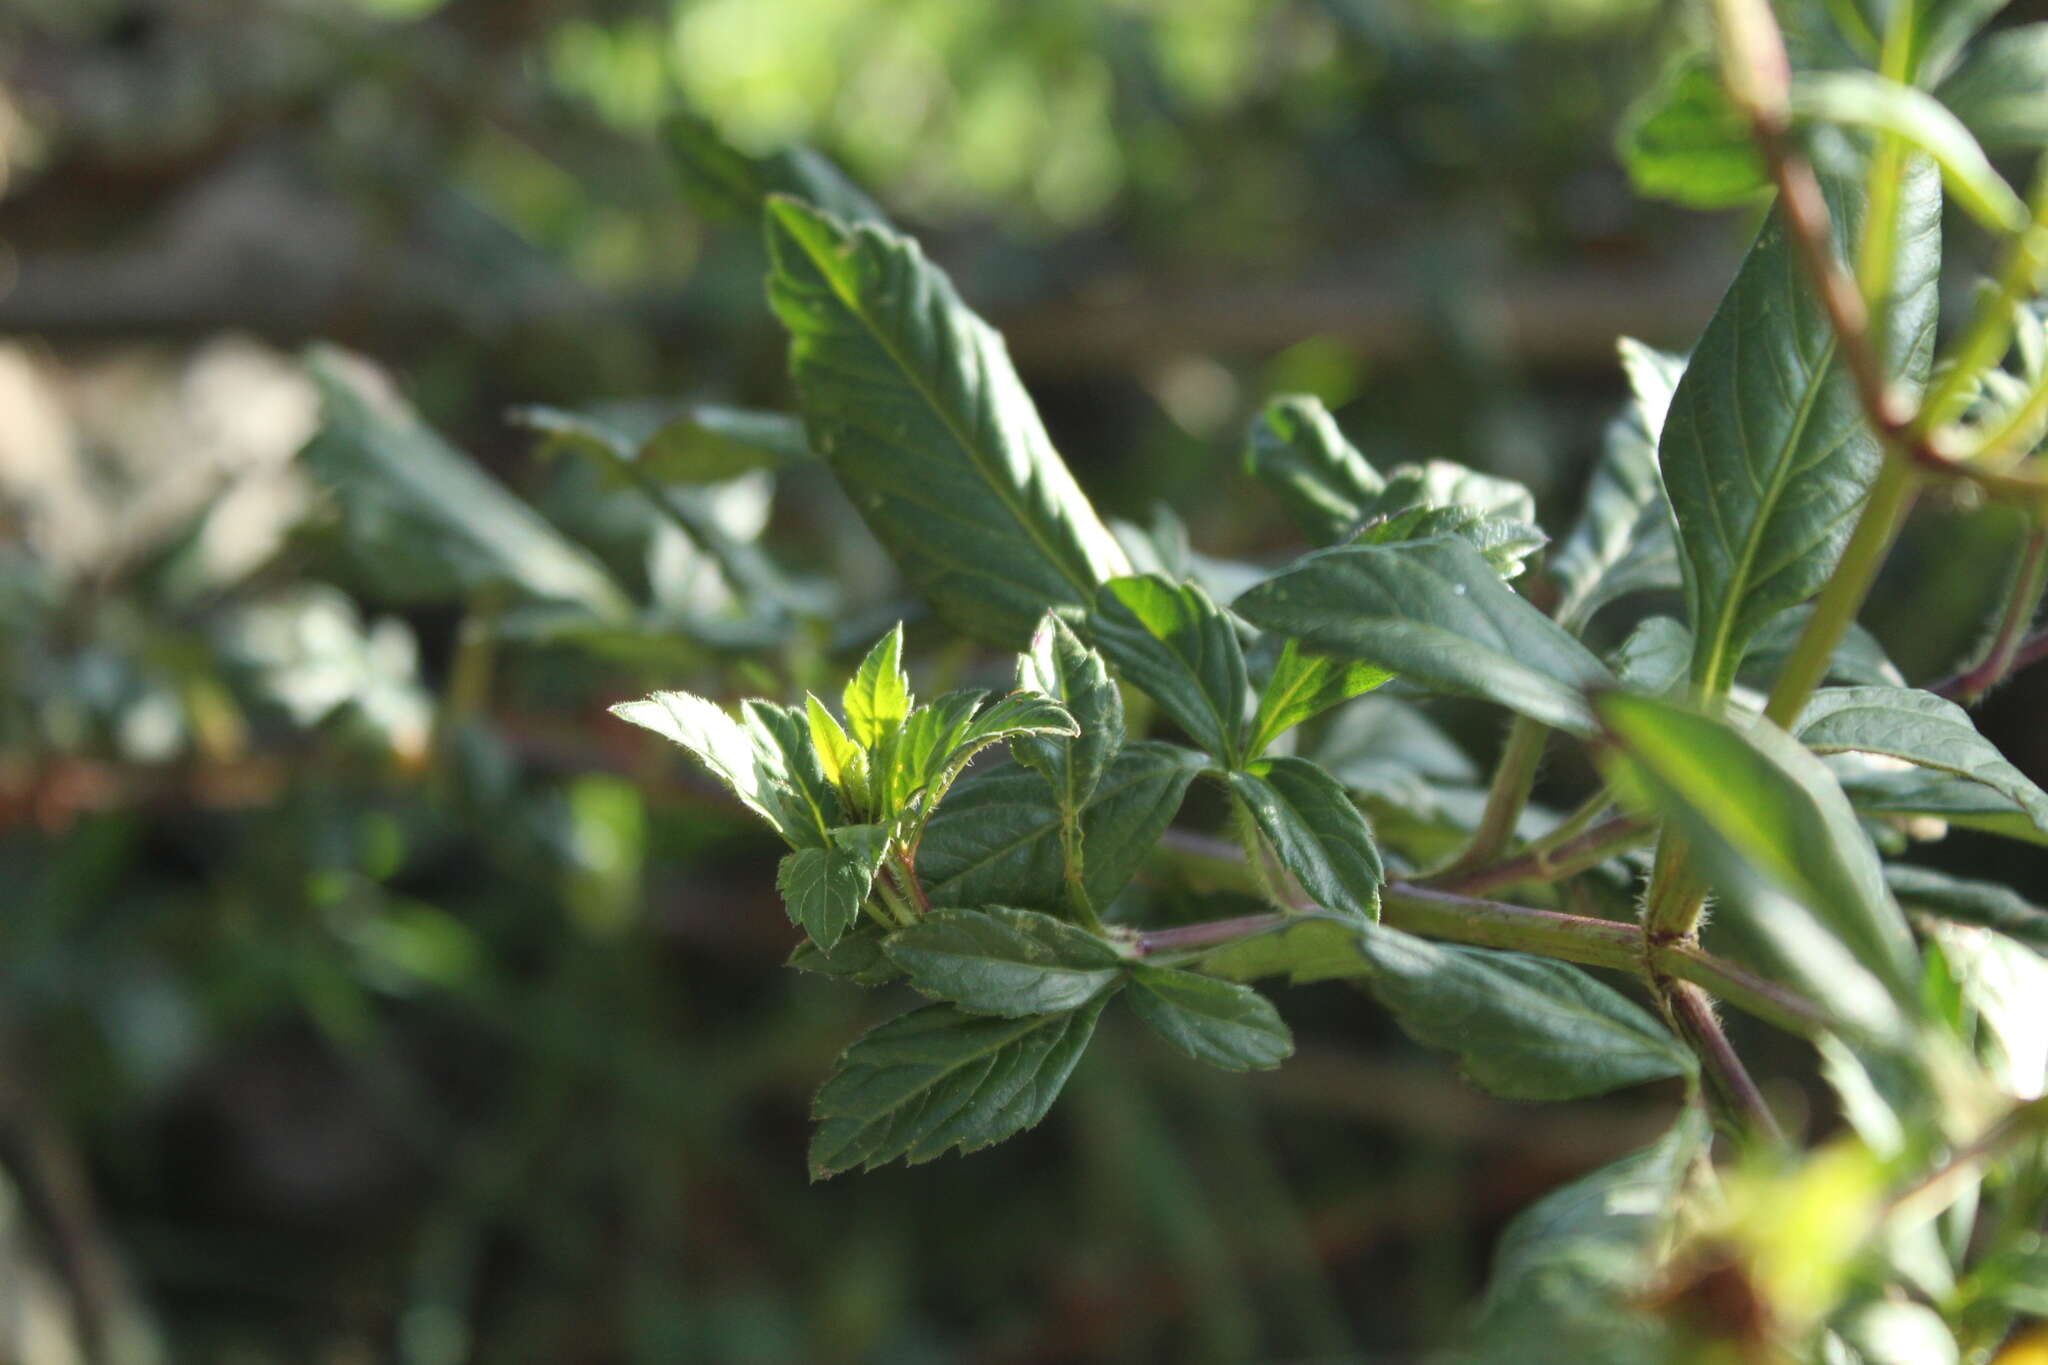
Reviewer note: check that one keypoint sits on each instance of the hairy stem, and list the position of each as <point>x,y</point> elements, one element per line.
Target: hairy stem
<point>1513,780</point>
<point>1548,863</point>
<point>1728,1080</point>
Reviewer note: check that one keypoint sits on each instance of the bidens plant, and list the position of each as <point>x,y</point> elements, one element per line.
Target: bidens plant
<point>1757,748</point>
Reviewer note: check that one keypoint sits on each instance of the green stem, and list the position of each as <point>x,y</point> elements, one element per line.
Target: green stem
<point>1875,254</point>
<point>1675,900</point>
<point>899,915</point>
<point>1513,780</point>
<point>1549,864</point>
<point>1885,511</point>
<point>1515,928</point>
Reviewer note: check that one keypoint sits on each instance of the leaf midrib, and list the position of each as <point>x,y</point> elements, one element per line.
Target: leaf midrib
<point>1709,666</point>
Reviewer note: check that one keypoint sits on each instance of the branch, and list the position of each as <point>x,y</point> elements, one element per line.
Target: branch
<point>1441,914</point>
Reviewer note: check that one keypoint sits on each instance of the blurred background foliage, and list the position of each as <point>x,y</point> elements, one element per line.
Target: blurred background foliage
<point>367,994</point>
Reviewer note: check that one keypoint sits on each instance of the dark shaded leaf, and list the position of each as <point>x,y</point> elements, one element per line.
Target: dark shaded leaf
<point>725,182</point>
<point>997,837</point>
<point>425,522</point>
<point>939,1078</point>
<point>1316,831</point>
<point>1218,1022</point>
<point>1295,448</point>
<point>1965,901</point>
<point>1918,728</point>
<point>1765,453</point>
<point>1525,1028</point>
<point>1437,613</point>
<point>996,960</point>
<point>824,888</point>
<point>1623,541</point>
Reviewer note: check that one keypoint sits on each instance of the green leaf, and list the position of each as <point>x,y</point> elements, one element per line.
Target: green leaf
<point>1303,948</point>
<point>1295,448</point>
<point>1440,498</point>
<point>1765,452</point>
<point>856,957</point>
<point>1569,1273</point>
<point>622,462</point>
<point>1623,541</point>
<point>1062,668</point>
<point>710,443</point>
<point>1990,904</point>
<point>1218,1022</point>
<point>1317,832</point>
<point>1176,646</point>
<point>1858,659</point>
<point>782,748</point>
<point>1864,99</point>
<point>877,697</point>
<point>2000,91</point>
<point>824,888</point>
<point>997,838</point>
<point>1761,807</point>
<point>1303,686</point>
<point>912,400</point>
<point>1017,716</point>
<point>1921,794</point>
<point>1437,613</point>
<point>723,181</point>
<point>1525,1028</point>
<point>914,756</point>
<point>424,521</point>
<point>843,761</point>
<point>1653,658</point>
<point>758,774</point>
<point>1918,728</point>
<point>1685,141</point>
<point>939,1078</point>
<point>996,960</point>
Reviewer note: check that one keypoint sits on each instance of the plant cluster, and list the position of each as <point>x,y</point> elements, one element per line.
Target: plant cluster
<point>1757,749</point>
